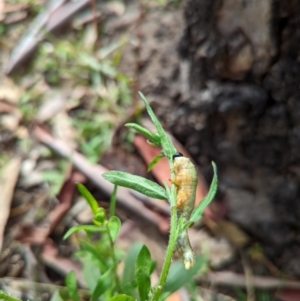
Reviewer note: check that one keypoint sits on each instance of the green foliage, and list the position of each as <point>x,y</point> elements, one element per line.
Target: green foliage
<point>143,272</point>
<point>2,29</point>
<point>137,183</point>
<point>28,103</point>
<point>113,226</point>
<point>154,161</point>
<point>94,133</point>
<point>87,228</point>
<point>135,282</point>
<point>103,284</point>
<point>113,201</point>
<point>100,259</point>
<point>72,286</point>
<point>122,297</point>
<point>168,148</point>
<point>88,197</point>
<point>179,276</point>
<point>107,92</point>
<point>97,251</point>
<point>128,281</point>
<point>149,188</point>
<point>152,137</point>
<point>198,211</point>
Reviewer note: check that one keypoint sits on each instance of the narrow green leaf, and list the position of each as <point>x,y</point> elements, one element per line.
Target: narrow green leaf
<point>167,145</point>
<point>90,256</point>
<point>129,265</point>
<point>87,228</point>
<point>152,137</point>
<point>108,70</point>
<point>88,196</point>
<point>137,183</point>
<point>121,297</point>
<point>104,282</point>
<point>178,275</point>
<point>154,161</point>
<point>113,200</point>
<point>114,225</point>
<point>71,285</point>
<point>91,268</point>
<point>198,211</point>
<point>143,270</point>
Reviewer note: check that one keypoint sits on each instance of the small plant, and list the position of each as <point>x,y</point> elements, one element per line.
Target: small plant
<point>100,257</point>
<point>135,284</point>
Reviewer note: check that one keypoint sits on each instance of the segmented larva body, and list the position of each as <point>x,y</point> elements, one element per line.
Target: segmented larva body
<point>186,181</point>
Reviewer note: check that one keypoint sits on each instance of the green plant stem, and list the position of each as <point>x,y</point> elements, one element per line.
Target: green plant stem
<point>113,200</point>
<point>114,261</point>
<point>6,297</point>
<point>169,254</point>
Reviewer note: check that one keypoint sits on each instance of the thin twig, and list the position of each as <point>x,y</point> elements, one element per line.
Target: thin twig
<point>8,178</point>
<point>137,53</point>
<point>239,280</point>
<point>249,278</point>
<point>23,284</point>
<point>94,12</point>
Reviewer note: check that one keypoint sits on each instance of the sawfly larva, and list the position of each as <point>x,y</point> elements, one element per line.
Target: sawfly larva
<point>186,181</point>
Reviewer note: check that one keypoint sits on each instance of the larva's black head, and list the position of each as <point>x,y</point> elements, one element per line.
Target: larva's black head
<point>176,155</point>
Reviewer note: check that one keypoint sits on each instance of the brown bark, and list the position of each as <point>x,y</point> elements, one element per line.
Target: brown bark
<point>240,94</point>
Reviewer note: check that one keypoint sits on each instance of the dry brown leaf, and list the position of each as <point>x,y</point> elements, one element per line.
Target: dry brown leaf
<point>63,129</point>
<point>8,178</point>
<point>288,295</point>
<point>10,8</point>
<point>11,121</point>
<point>8,90</point>
<point>54,103</point>
<point>116,7</point>
<point>6,107</point>
<point>15,17</point>
<point>174,297</point>
<point>2,5</point>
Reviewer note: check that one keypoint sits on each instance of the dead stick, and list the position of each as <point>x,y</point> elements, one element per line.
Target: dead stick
<point>24,284</point>
<point>233,279</point>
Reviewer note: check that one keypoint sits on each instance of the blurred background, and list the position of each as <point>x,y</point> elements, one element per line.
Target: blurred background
<point>223,78</point>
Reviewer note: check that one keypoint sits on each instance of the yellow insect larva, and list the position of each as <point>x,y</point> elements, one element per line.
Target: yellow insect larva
<point>186,181</point>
